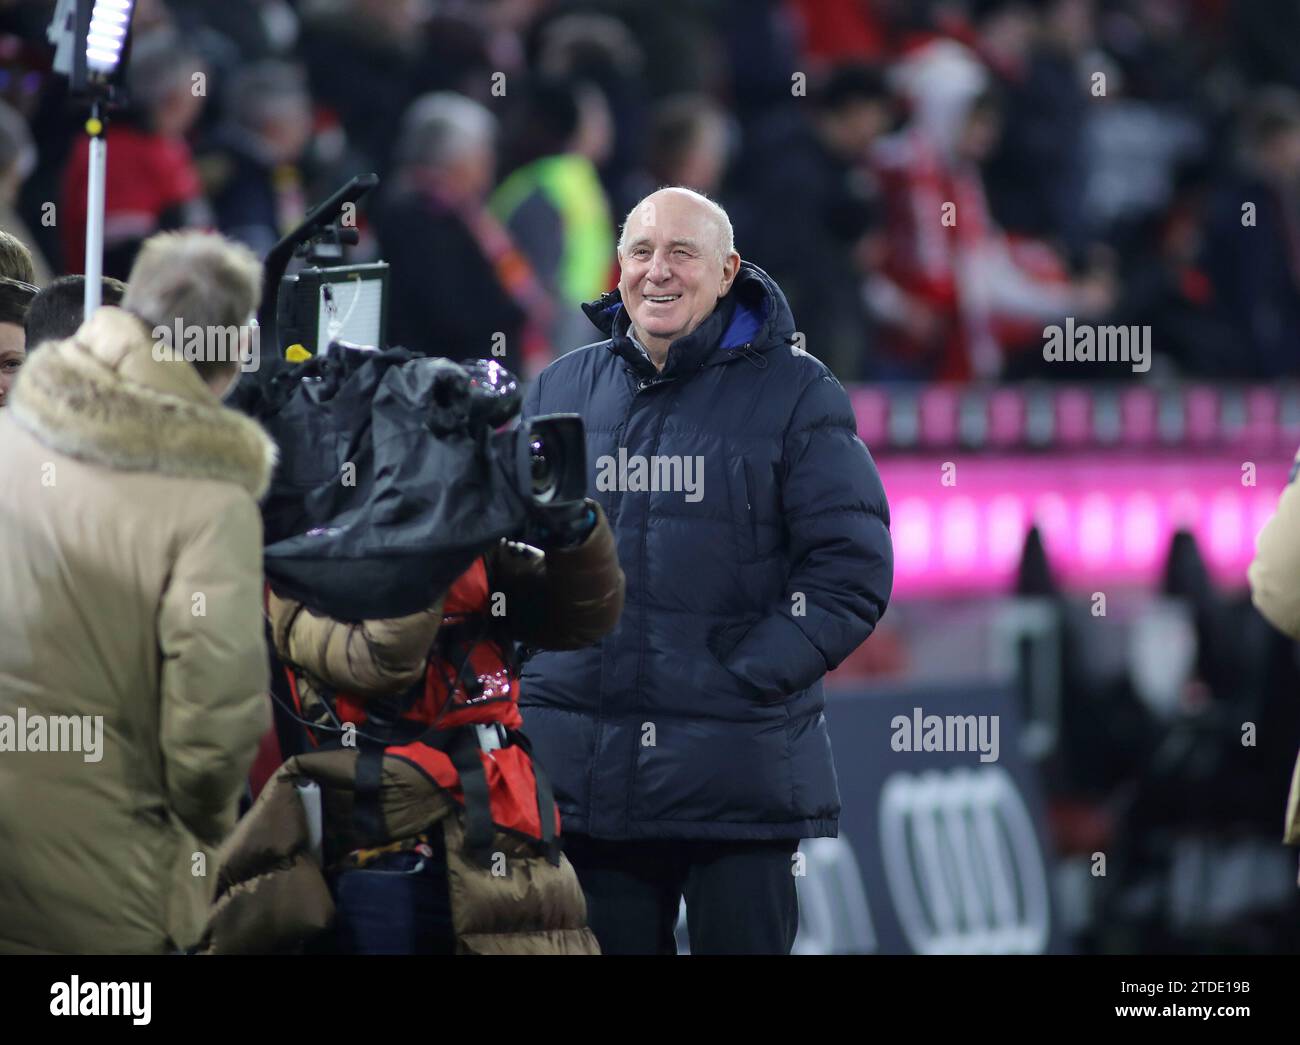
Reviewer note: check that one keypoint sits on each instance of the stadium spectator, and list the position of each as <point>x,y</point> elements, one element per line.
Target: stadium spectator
<point>688,144</point>
<point>601,49</point>
<point>812,216</point>
<point>251,166</point>
<point>145,632</point>
<point>15,259</point>
<point>151,183</point>
<point>60,308</point>
<point>1069,168</point>
<point>17,161</point>
<point>552,202</point>
<point>380,44</point>
<point>1252,247</point>
<point>948,275</point>
<point>15,297</point>
<point>251,30</point>
<point>1038,173</point>
<point>459,285</point>
<point>836,33</point>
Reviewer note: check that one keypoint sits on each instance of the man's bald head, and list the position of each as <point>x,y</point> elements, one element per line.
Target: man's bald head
<point>647,210</point>
<point>677,261</point>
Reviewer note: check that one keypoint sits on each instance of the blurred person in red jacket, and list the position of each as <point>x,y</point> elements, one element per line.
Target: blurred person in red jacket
<point>948,276</point>
<point>151,184</point>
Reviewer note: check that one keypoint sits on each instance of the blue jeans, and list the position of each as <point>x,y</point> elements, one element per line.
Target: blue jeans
<point>396,905</point>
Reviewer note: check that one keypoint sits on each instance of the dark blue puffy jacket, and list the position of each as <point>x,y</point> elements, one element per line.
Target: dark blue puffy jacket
<point>700,715</point>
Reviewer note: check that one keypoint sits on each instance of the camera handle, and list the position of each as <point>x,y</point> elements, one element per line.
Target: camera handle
<point>318,224</point>
<point>562,524</point>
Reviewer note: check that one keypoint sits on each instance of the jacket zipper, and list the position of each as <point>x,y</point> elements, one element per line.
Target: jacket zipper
<point>617,503</point>
<point>643,631</point>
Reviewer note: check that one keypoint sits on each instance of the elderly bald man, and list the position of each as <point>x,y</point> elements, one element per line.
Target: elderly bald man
<point>688,750</point>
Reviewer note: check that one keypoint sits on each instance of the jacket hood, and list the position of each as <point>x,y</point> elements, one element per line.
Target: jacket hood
<point>101,397</point>
<point>754,316</point>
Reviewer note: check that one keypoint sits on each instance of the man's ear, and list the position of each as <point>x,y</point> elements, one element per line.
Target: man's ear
<point>730,266</point>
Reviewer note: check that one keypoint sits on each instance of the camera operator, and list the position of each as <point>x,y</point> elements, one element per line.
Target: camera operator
<point>447,843</point>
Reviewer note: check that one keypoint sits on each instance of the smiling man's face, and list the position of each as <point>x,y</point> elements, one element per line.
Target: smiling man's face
<point>673,271</point>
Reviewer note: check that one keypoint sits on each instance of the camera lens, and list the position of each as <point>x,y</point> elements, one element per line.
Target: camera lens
<point>544,481</point>
<point>490,378</point>
<point>494,392</point>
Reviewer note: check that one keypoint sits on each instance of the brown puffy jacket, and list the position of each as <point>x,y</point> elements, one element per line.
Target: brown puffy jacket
<point>271,894</point>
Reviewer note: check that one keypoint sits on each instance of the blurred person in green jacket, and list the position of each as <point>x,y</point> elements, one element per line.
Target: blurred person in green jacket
<point>552,201</point>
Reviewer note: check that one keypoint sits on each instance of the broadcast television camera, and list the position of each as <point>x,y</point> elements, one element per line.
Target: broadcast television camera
<point>395,470</point>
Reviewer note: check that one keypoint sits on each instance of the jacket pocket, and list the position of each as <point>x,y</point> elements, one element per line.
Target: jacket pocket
<point>723,638</point>
<point>722,643</point>
<point>744,509</point>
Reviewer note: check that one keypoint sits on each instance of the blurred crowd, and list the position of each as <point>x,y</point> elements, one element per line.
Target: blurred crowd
<point>931,182</point>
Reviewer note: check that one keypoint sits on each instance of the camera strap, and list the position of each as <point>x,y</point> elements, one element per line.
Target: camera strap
<point>367,811</point>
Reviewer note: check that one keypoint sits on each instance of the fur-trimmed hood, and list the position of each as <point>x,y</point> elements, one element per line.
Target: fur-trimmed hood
<point>101,397</point>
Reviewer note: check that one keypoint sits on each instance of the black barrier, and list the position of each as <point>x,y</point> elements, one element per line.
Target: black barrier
<point>942,847</point>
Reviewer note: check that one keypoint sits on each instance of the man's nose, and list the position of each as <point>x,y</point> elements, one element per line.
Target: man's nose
<point>659,270</point>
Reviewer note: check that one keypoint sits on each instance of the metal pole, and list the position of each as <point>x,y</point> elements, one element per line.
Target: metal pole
<point>95,207</point>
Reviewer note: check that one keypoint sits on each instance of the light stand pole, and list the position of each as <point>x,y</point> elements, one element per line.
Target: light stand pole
<point>95,127</point>
<point>90,38</point>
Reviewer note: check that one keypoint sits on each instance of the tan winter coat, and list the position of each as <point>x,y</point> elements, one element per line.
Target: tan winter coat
<point>1275,590</point>
<point>130,588</point>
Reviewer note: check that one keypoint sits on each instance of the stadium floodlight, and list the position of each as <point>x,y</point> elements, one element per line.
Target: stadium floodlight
<point>90,39</point>
<point>106,38</point>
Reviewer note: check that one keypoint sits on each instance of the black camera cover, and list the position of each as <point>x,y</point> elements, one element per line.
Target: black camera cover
<point>389,485</point>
